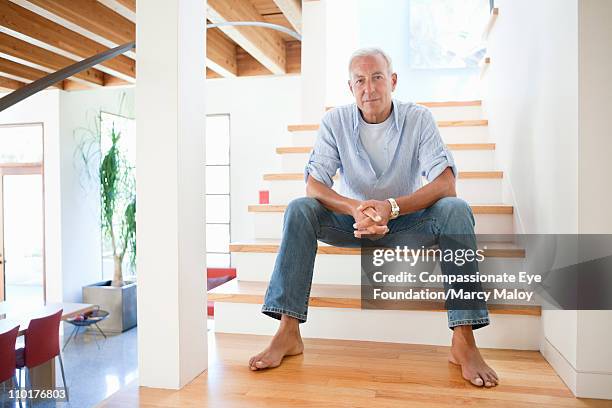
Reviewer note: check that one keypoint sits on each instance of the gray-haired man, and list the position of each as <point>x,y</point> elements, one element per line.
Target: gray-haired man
<point>381,147</point>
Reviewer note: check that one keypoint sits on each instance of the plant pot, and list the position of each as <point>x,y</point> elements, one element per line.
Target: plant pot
<point>120,302</point>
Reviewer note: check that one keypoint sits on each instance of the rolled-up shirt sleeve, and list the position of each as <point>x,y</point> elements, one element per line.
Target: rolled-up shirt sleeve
<point>324,159</point>
<point>434,156</point>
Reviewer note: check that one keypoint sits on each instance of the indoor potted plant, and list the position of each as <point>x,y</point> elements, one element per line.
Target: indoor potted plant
<point>118,225</point>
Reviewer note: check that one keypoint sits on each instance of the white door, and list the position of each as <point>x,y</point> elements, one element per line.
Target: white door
<point>21,233</point>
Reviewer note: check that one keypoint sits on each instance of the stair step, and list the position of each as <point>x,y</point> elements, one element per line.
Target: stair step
<point>462,175</point>
<point>339,296</point>
<point>496,220</point>
<point>472,190</point>
<point>443,104</point>
<point>455,134</point>
<point>441,123</point>
<point>468,157</point>
<point>476,208</point>
<point>341,266</point>
<point>493,249</point>
<point>452,146</point>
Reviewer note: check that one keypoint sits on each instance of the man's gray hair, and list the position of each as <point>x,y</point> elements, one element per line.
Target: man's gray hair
<point>370,51</point>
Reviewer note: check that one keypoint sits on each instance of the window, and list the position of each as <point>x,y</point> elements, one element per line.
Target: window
<point>218,214</point>
<point>447,33</point>
<point>21,144</point>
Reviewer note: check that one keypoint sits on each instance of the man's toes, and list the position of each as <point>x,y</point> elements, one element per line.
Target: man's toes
<point>261,364</point>
<point>489,380</point>
<point>252,360</point>
<point>477,381</point>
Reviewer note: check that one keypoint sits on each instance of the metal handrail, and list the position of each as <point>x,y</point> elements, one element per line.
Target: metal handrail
<point>46,81</point>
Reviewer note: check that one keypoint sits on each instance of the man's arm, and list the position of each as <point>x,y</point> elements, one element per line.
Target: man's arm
<point>442,186</point>
<point>330,198</point>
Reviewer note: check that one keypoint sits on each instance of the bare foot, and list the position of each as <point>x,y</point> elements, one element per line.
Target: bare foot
<point>465,353</point>
<point>286,342</point>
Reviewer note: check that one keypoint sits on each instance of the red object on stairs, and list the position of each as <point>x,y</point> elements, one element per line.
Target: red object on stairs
<point>264,197</point>
<point>214,278</point>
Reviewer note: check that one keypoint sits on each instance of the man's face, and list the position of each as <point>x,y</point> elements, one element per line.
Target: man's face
<point>372,85</point>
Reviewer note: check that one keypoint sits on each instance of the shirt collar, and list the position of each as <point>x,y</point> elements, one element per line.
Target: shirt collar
<point>356,116</point>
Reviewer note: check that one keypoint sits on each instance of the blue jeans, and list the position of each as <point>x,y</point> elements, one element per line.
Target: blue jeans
<point>307,220</point>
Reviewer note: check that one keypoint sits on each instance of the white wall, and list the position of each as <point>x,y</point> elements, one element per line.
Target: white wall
<point>550,115</point>
<point>532,104</point>
<point>314,36</point>
<point>594,354</point>
<point>260,109</point>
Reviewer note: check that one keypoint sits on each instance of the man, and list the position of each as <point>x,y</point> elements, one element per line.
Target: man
<point>382,147</point>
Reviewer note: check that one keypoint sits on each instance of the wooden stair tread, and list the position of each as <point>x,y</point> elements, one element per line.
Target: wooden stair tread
<point>336,296</point>
<point>476,208</point>
<point>462,175</point>
<point>493,249</point>
<point>305,127</point>
<point>451,146</point>
<point>439,104</point>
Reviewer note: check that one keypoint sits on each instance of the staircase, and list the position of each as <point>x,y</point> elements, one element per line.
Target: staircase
<point>334,310</point>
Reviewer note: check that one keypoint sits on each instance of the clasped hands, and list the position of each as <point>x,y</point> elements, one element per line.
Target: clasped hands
<point>371,218</point>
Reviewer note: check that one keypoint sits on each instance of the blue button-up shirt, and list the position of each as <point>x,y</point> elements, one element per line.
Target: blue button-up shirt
<point>413,144</point>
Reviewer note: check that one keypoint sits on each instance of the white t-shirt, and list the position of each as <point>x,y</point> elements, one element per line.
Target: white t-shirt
<point>372,137</point>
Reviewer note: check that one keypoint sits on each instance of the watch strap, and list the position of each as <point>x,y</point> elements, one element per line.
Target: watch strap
<point>394,208</point>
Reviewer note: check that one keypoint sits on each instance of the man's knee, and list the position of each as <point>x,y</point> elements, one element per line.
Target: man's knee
<point>304,207</point>
<point>455,209</point>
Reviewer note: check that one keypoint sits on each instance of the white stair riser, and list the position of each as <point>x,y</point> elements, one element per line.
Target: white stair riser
<point>269,225</point>
<point>459,134</point>
<point>466,160</point>
<point>346,269</point>
<point>458,113</point>
<point>515,332</point>
<point>476,191</point>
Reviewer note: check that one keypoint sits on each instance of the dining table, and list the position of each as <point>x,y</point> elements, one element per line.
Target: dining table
<point>42,377</point>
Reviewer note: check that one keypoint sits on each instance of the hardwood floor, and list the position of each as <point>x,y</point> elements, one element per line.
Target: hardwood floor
<point>339,373</point>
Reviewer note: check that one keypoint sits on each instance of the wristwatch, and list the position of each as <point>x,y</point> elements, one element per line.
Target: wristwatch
<point>394,209</point>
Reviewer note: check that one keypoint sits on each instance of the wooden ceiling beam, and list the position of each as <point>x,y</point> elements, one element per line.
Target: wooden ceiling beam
<point>10,84</point>
<point>22,72</point>
<point>30,24</point>
<point>249,66</point>
<point>263,44</point>
<point>110,80</point>
<point>93,17</point>
<point>292,9</point>
<point>221,53</point>
<point>210,74</point>
<point>128,4</point>
<point>39,56</point>
<point>123,7</point>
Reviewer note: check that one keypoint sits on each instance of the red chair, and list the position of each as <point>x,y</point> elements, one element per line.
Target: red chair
<point>8,360</point>
<point>42,344</point>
